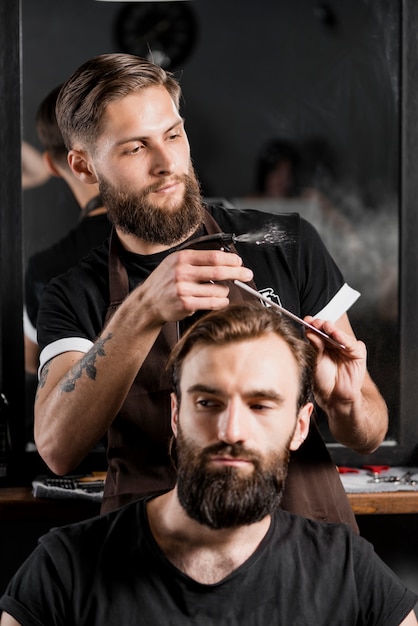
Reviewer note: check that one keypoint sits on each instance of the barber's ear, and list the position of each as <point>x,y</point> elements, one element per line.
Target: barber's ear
<point>80,164</point>
<point>302,426</point>
<point>174,413</point>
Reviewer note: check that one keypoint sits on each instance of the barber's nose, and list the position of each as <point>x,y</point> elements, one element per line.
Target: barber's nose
<point>162,163</point>
<point>232,426</point>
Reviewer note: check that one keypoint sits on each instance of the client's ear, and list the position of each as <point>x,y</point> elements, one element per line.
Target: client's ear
<point>302,426</point>
<point>174,413</point>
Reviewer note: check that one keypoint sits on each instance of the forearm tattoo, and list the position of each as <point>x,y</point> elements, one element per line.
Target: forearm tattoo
<point>87,364</point>
<point>42,378</point>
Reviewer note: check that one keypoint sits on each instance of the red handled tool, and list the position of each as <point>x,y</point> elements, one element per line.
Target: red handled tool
<point>342,469</point>
<point>376,470</point>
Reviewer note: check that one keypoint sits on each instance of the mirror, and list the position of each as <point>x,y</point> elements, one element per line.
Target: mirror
<point>324,75</point>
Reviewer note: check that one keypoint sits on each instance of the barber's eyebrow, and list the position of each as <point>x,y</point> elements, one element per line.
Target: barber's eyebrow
<point>124,140</point>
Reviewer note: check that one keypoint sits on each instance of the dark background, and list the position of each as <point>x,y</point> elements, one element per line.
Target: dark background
<point>272,69</point>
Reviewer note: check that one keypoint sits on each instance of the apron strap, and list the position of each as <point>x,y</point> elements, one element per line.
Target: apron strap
<point>118,276</point>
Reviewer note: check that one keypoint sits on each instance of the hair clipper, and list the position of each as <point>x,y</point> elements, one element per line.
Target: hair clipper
<point>221,241</point>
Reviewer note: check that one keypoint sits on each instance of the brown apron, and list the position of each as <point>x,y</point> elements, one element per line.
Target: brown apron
<point>138,439</point>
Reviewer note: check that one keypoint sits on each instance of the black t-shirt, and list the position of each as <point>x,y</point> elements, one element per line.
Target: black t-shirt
<point>296,271</point>
<point>58,258</point>
<point>110,571</point>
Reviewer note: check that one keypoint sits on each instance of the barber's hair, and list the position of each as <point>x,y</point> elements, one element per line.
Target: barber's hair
<point>242,322</point>
<point>101,80</point>
<point>47,127</point>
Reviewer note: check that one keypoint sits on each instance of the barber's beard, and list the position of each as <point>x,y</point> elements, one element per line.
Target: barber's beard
<point>133,213</point>
<point>227,497</point>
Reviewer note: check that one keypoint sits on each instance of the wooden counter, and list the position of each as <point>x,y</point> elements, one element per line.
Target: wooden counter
<point>384,503</point>
<point>18,504</point>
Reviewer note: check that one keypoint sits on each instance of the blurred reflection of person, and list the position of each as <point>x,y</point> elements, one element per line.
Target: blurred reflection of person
<point>277,170</point>
<point>54,260</point>
<point>34,170</point>
<point>92,228</point>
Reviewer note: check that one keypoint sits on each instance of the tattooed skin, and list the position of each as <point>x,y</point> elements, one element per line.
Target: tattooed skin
<point>87,363</point>
<point>42,378</point>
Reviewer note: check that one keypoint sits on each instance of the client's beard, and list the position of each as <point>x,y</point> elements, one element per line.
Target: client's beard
<point>133,214</point>
<point>225,497</point>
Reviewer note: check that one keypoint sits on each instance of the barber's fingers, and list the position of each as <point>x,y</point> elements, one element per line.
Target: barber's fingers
<point>209,266</point>
<point>202,289</point>
<point>208,257</point>
<point>353,347</point>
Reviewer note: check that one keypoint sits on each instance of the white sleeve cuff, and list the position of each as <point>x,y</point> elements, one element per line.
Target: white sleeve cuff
<point>69,344</point>
<point>339,304</point>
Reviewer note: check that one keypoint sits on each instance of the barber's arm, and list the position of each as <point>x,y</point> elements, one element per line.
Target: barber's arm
<point>410,620</point>
<point>357,412</point>
<point>80,394</point>
<point>8,620</point>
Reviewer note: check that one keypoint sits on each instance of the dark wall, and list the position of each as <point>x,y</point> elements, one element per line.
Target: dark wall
<point>270,69</point>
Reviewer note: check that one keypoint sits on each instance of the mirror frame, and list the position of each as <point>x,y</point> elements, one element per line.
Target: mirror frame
<point>403,450</point>
<point>11,298</point>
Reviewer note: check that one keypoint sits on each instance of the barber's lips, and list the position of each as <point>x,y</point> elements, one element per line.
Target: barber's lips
<point>168,187</point>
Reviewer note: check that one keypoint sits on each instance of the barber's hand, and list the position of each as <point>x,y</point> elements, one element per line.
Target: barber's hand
<point>340,373</point>
<point>189,281</point>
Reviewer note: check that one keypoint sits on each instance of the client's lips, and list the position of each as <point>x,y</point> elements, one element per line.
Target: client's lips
<point>230,460</point>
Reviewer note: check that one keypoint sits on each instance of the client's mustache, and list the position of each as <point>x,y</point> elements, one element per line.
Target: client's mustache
<point>234,450</point>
